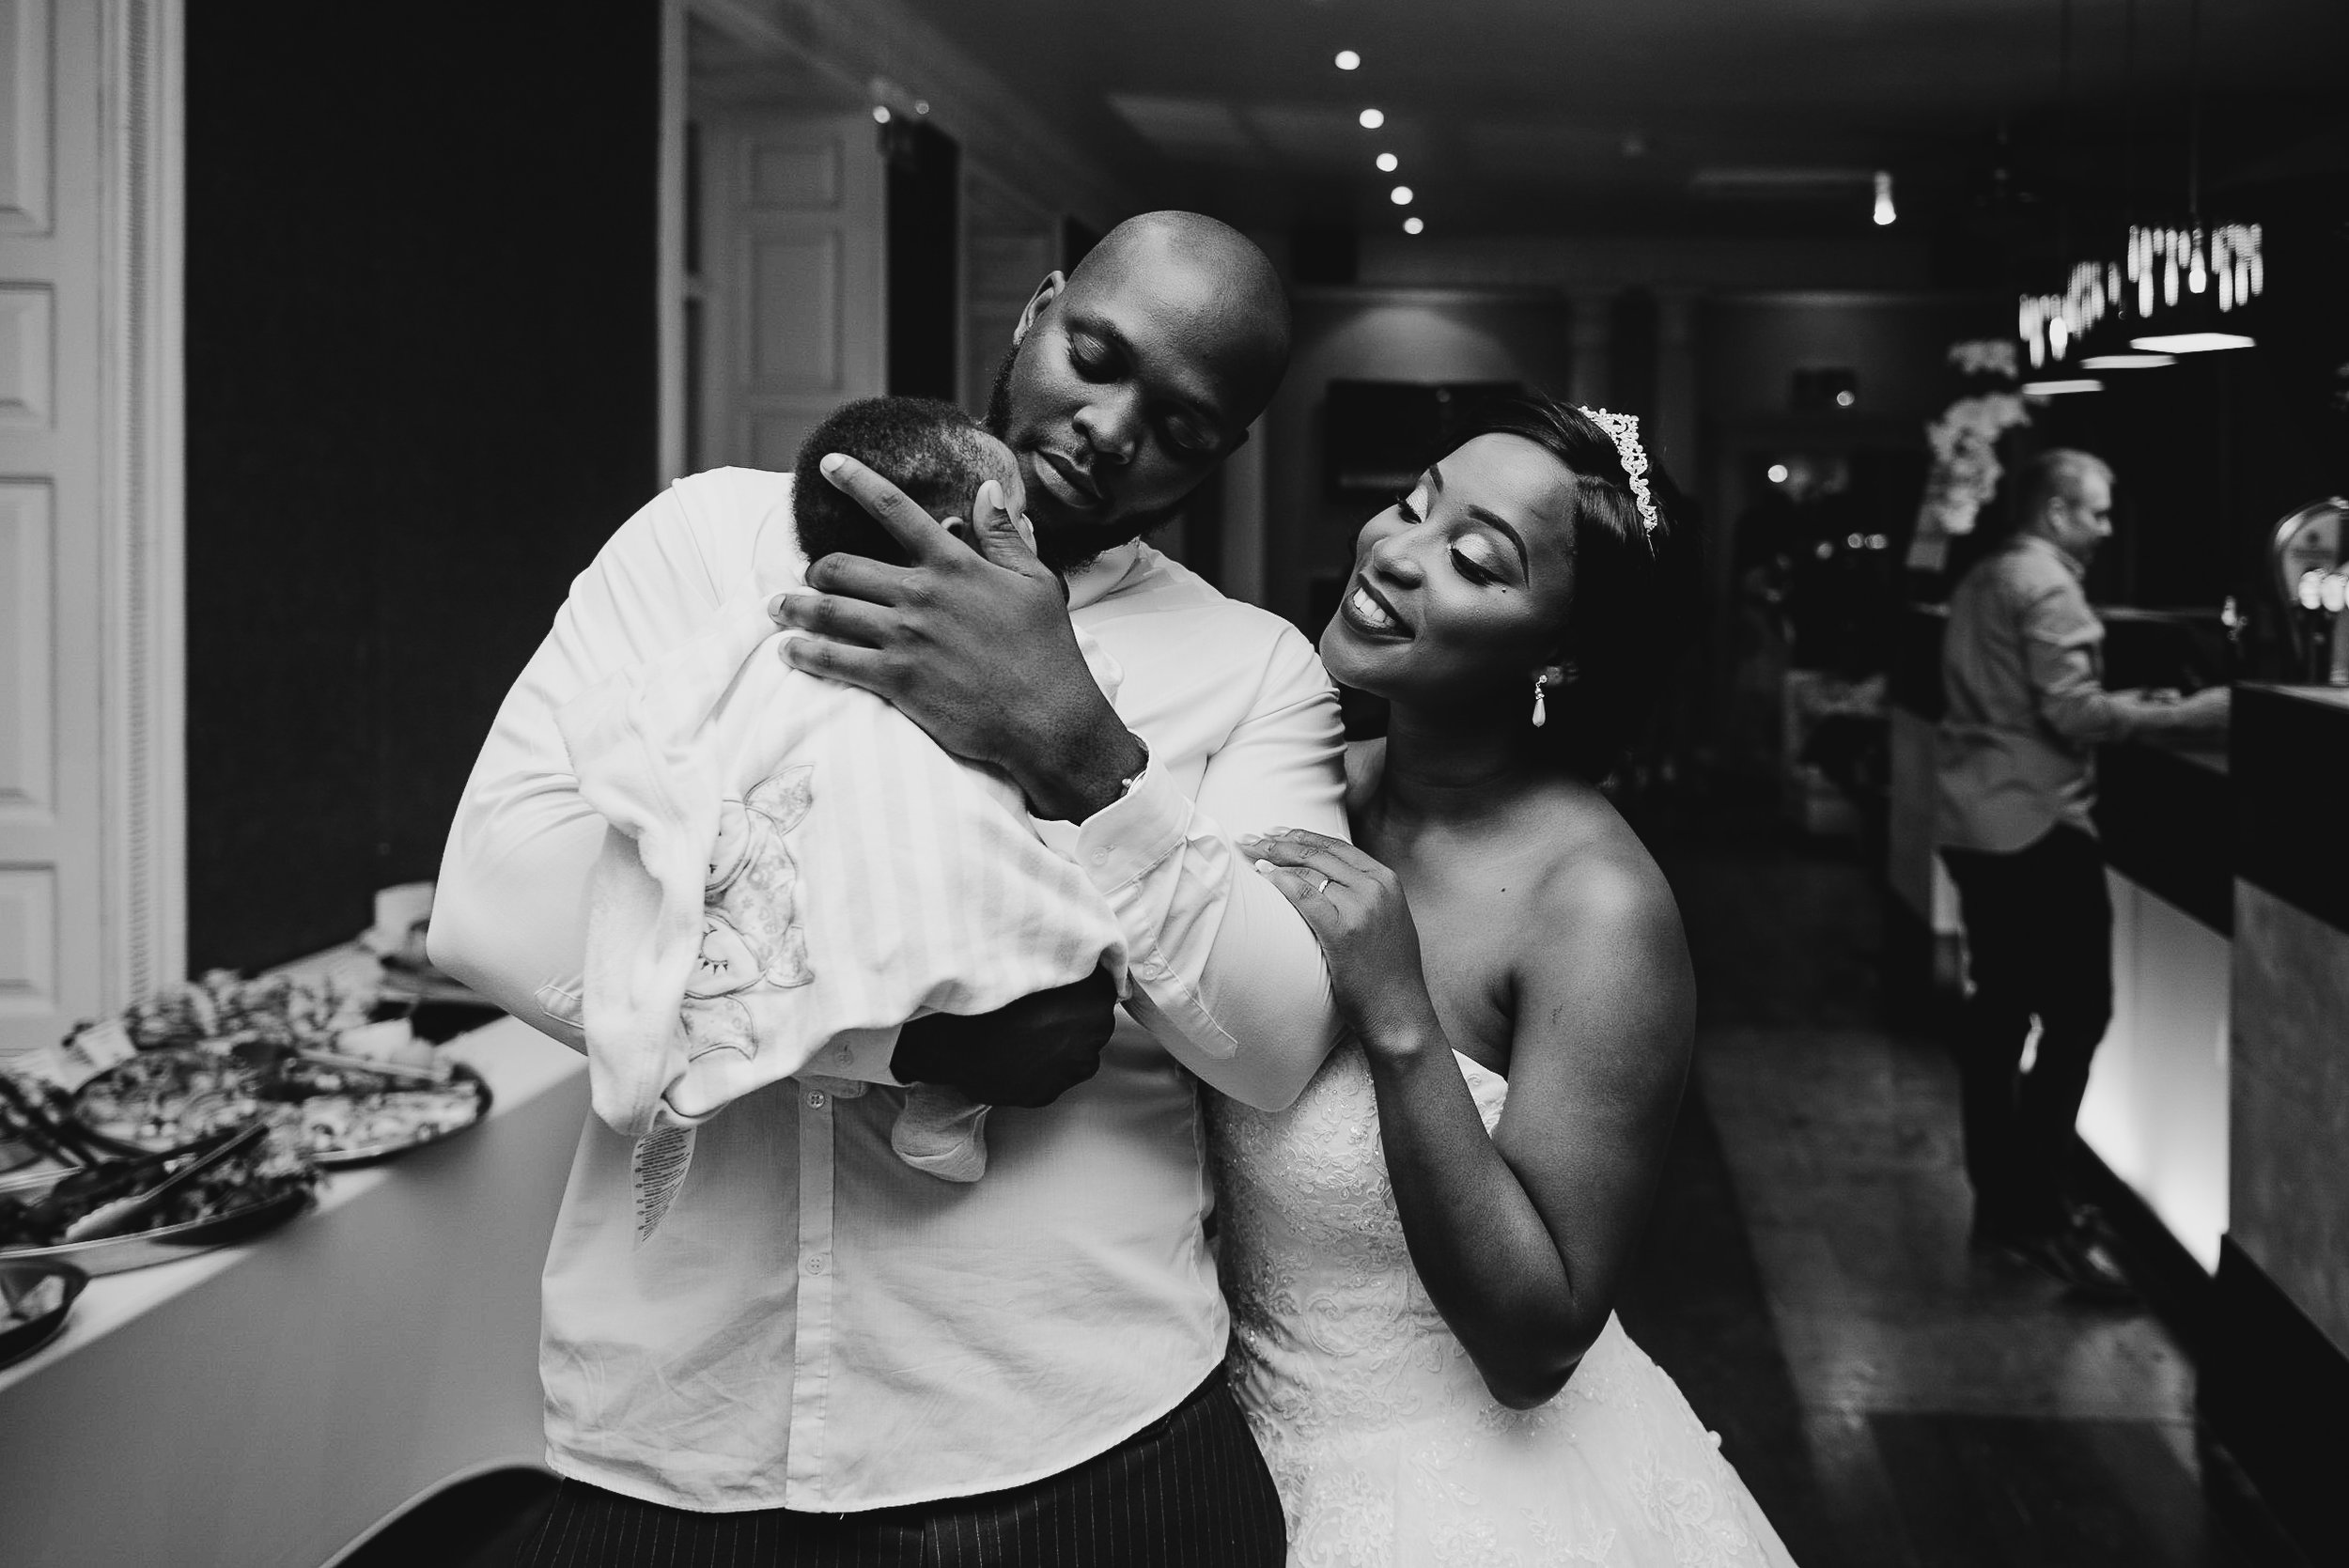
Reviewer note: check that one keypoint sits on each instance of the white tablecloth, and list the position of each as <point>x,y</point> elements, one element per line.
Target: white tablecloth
<point>261,1406</point>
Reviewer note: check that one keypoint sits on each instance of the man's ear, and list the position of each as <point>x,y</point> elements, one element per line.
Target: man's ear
<point>1046,292</point>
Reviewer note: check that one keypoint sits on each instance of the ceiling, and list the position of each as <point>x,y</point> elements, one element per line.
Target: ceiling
<point>1656,116</point>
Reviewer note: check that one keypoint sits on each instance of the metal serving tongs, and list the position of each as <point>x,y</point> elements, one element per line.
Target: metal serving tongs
<point>120,1215</point>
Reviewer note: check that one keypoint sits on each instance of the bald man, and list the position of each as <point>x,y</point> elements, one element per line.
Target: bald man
<point>823,1354</point>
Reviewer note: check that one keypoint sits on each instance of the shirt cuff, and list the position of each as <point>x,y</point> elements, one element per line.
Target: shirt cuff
<point>1121,842</point>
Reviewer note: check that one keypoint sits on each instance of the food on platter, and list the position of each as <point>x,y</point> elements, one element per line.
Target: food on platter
<point>336,1111</point>
<point>36,1301</point>
<point>347,1114</point>
<point>160,1099</point>
<point>33,1300</point>
<point>244,1172</point>
<point>227,1009</point>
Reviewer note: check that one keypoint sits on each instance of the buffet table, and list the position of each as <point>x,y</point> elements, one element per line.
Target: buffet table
<point>262,1405</point>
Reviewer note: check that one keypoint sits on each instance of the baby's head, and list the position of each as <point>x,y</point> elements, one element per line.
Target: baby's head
<point>933,451</point>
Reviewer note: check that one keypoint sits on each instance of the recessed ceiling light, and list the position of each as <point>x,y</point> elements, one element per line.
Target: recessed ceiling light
<point>1400,195</point>
<point>1778,474</point>
<point>1411,224</point>
<point>2191,342</point>
<point>2127,362</point>
<point>2054,388</point>
<point>1884,213</point>
<point>1347,59</point>
<point>1388,162</point>
<point>1845,398</point>
<point>880,113</point>
<point>1372,119</point>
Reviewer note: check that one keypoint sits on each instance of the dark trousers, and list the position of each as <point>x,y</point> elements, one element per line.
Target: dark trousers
<point>2039,944</point>
<point>1188,1488</point>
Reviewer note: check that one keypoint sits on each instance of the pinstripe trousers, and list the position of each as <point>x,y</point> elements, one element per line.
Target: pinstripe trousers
<point>1189,1489</point>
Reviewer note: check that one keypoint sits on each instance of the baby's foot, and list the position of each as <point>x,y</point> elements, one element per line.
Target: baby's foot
<point>942,1132</point>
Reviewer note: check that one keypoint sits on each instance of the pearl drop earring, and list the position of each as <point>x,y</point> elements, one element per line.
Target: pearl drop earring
<point>1541,714</point>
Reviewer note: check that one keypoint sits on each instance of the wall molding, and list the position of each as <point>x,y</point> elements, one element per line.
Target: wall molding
<point>142,496</point>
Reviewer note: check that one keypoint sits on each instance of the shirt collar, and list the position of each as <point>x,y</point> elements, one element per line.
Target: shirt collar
<point>1106,573</point>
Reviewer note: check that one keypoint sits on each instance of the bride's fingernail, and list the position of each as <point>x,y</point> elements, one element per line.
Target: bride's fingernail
<point>831,464</point>
<point>1265,867</point>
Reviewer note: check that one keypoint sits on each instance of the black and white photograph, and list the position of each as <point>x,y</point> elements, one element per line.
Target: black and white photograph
<point>1175,783</point>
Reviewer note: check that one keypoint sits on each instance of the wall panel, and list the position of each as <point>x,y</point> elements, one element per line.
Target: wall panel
<point>28,693</point>
<point>26,95</point>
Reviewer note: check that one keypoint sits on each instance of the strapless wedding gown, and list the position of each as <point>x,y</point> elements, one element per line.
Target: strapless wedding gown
<point>1387,1447</point>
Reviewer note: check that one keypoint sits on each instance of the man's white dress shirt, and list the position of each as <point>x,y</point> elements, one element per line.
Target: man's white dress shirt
<point>815,1326</point>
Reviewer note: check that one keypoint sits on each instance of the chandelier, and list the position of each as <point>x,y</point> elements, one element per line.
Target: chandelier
<point>2162,269</point>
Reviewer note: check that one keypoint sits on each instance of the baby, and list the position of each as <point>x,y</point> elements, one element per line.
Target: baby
<point>792,868</point>
<point>1029,1052</point>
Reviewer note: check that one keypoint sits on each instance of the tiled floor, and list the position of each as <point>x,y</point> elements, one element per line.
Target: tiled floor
<point>1892,1397</point>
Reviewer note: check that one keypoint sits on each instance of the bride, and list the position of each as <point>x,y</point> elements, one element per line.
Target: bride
<point>1423,1253</point>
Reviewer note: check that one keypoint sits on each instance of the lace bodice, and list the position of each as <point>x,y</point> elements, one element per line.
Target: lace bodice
<point>1386,1446</point>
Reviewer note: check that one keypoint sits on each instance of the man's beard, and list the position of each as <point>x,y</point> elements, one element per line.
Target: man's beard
<point>1063,546</point>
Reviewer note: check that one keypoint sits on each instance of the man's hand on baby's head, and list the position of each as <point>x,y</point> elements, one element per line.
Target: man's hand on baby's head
<point>972,644</point>
<point>1028,1054</point>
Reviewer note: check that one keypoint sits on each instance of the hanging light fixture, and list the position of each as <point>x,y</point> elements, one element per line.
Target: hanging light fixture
<point>2175,282</point>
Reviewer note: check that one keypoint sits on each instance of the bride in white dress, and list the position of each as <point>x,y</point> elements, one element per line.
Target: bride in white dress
<point>1423,1253</point>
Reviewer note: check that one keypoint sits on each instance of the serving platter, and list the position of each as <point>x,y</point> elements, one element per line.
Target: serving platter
<point>168,1243</point>
<point>22,1338</point>
<point>336,1110</point>
<point>343,1157</point>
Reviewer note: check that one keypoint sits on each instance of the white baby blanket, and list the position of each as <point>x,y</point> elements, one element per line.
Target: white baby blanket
<point>792,861</point>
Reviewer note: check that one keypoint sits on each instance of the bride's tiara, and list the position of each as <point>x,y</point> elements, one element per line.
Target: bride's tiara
<point>1624,430</point>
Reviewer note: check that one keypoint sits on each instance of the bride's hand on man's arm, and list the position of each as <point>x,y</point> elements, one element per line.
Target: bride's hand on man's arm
<point>1356,910</point>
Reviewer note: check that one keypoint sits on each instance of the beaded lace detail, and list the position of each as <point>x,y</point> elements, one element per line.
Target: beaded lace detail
<point>1388,1451</point>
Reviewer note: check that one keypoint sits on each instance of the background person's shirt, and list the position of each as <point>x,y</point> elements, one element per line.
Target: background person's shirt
<point>2022,672</point>
<point>817,1325</point>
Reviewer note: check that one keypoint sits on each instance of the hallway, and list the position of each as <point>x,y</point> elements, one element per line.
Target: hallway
<point>1893,1399</point>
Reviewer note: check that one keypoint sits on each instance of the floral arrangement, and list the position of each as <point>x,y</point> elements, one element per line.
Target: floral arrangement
<point>1966,468</point>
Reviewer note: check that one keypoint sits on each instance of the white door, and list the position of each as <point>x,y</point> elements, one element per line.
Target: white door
<point>50,647</point>
<point>796,291</point>
<point>89,495</point>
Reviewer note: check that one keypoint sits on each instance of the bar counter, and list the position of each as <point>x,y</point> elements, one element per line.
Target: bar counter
<point>2219,1100</point>
<point>2275,1375</point>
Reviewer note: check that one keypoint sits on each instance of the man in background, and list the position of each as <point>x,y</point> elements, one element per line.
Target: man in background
<point>2022,668</point>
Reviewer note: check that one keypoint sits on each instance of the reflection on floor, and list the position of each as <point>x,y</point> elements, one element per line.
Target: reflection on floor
<point>1892,1397</point>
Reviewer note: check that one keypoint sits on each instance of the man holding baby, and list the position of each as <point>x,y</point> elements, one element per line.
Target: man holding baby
<point>825,1353</point>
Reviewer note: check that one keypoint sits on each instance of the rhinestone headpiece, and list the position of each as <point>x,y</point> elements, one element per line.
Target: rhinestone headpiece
<point>1624,430</point>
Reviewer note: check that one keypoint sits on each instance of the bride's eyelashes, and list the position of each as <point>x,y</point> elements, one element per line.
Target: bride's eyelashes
<point>1470,565</point>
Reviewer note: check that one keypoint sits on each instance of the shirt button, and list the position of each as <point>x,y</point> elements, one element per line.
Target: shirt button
<point>1100,857</point>
<point>816,1099</point>
<point>817,1263</point>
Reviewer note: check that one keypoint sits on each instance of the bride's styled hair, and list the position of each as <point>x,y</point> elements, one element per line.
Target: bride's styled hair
<point>1621,637</point>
